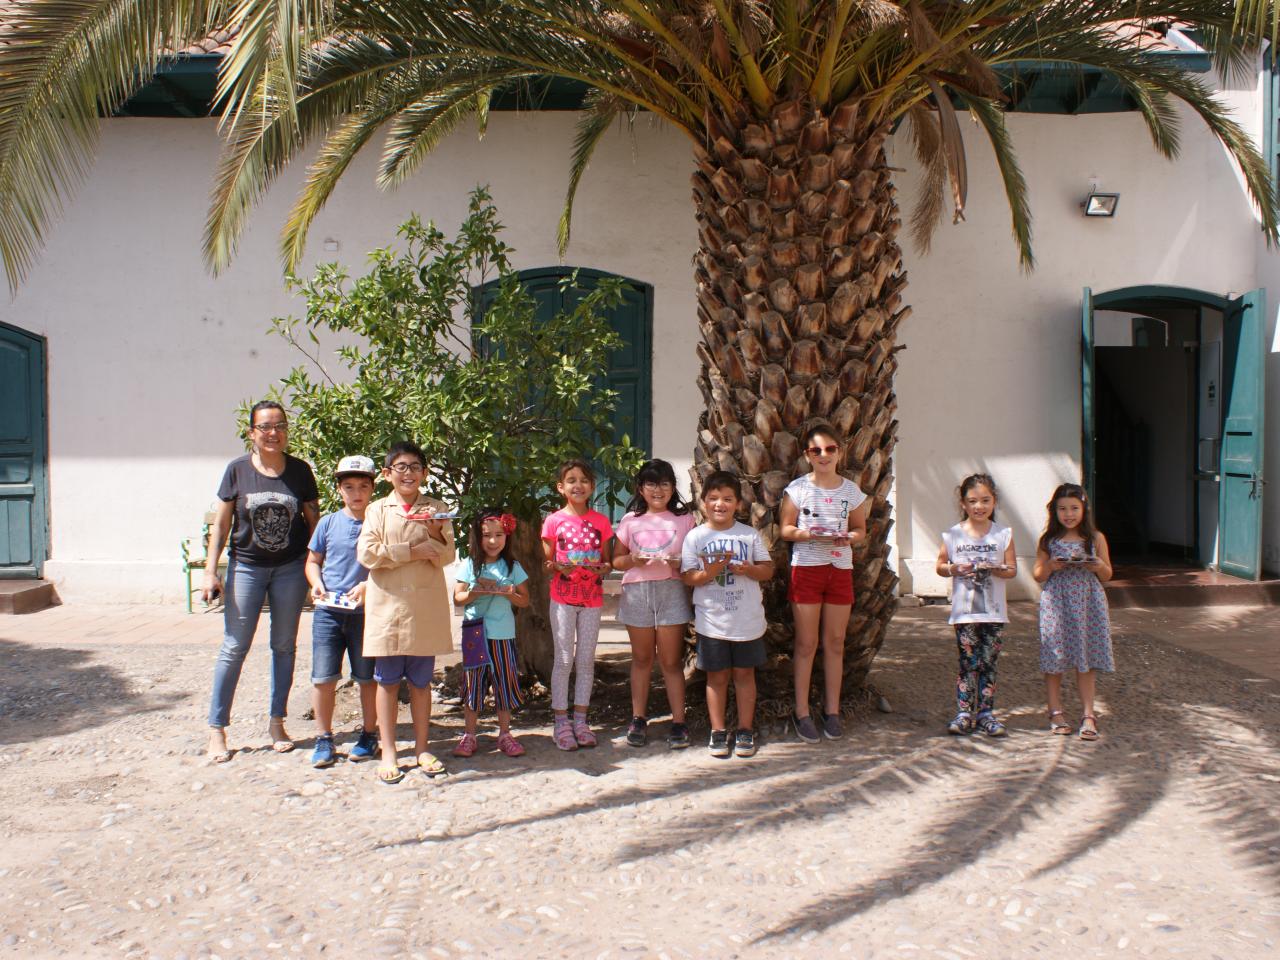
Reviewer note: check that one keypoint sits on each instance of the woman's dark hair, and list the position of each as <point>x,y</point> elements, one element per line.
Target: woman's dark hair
<point>264,405</point>
<point>400,448</point>
<point>588,470</point>
<point>976,480</point>
<point>475,536</point>
<point>1054,529</point>
<point>656,471</point>
<point>823,428</point>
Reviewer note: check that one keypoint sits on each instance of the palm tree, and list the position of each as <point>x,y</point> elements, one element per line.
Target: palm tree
<point>787,107</point>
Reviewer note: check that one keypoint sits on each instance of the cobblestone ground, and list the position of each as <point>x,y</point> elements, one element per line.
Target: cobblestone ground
<point>120,840</point>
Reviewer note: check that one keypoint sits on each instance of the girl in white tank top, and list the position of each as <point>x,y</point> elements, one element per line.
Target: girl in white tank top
<point>979,554</point>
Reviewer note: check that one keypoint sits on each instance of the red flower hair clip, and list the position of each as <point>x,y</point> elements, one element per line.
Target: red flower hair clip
<point>508,524</point>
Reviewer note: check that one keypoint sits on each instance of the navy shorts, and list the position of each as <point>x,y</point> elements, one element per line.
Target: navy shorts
<point>333,634</point>
<point>715,654</point>
<point>417,670</point>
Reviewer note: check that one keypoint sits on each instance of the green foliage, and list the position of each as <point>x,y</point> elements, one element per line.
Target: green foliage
<point>496,401</point>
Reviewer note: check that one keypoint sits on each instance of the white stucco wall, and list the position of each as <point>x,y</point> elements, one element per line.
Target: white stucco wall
<point>148,355</point>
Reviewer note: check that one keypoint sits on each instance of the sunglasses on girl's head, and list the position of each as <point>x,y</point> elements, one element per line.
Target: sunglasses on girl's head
<point>819,451</point>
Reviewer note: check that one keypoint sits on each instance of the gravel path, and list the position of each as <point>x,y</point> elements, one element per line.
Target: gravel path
<point>120,840</point>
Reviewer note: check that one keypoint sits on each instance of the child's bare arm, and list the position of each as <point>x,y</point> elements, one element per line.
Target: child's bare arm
<point>312,569</point>
<point>519,595</point>
<point>1102,566</point>
<point>761,570</point>
<point>1009,565</point>
<point>1045,566</point>
<point>462,593</point>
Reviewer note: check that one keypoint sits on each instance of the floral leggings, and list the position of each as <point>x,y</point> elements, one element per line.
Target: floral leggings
<point>979,646</point>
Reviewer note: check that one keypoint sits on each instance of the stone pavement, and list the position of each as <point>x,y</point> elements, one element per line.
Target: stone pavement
<point>1160,840</point>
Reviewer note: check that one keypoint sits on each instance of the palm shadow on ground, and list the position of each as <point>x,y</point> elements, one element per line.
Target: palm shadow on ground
<point>51,691</point>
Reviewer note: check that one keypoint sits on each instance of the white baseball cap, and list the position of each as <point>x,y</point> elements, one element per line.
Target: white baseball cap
<point>356,466</point>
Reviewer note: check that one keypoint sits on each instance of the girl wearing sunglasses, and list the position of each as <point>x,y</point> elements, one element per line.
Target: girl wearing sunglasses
<point>824,514</point>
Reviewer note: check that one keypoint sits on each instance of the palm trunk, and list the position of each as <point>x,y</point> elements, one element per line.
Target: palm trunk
<point>799,300</point>
<point>533,623</point>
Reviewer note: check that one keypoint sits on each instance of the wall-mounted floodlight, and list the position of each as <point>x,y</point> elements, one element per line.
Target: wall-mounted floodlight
<point>1100,204</point>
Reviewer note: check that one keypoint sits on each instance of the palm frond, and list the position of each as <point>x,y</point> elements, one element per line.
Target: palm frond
<point>272,37</point>
<point>65,63</point>
<point>926,138</point>
<point>1015,185</point>
<point>594,124</point>
<point>952,147</point>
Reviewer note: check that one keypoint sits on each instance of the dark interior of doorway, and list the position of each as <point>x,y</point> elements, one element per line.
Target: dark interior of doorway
<point>1152,500</point>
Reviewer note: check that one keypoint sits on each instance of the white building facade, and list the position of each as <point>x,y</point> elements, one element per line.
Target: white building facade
<point>146,356</point>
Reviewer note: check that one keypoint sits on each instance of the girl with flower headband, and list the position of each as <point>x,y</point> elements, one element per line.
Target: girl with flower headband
<point>490,583</point>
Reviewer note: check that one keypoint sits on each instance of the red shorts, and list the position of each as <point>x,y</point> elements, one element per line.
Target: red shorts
<point>824,584</point>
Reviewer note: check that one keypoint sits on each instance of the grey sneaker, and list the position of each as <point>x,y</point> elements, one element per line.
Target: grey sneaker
<point>961,726</point>
<point>831,726</point>
<point>719,744</point>
<point>636,735</point>
<point>806,729</point>
<point>744,743</point>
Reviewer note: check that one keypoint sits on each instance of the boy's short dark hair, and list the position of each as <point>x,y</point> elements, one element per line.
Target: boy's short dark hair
<point>722,480</point>
<point>588,470</point>
<point>400,448</point>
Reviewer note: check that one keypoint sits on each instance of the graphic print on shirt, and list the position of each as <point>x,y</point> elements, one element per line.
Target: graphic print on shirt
<point>577,541</point>
<point>655,541</point>
<point>978,594</point>
<point>270,517</point>
<point>739,551</point>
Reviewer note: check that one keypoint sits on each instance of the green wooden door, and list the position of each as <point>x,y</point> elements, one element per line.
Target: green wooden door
<point>630,366</point>
<point>1244,397</point>
<point>23,496</point>
<point>1086,392</point>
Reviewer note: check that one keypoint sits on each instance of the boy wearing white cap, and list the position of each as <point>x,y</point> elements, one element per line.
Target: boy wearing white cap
<point>337,626</point>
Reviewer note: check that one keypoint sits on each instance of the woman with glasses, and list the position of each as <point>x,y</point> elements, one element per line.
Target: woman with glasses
<point>268,509</point>
<point>824,514</point>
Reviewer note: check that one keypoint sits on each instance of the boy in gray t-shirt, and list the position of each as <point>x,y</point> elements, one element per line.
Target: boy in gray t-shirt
<point>725,561</point>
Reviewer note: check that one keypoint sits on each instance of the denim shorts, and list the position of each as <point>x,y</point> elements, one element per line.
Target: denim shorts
<point>334,633</point>
<point>654,603</point>
<point>417,670</point>
<point>715,654</point>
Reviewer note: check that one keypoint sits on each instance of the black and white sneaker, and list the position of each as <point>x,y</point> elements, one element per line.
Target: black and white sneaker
<point>636,735</point>
<point>719,743</point>
<point>744,743</point>
<point>678,736</point>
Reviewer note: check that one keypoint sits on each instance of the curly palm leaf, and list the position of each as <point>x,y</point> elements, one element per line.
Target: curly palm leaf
<point>953,147</point>
<point>1015,185</point>
<point>272,37</point>
<point>420,126</point>
<point>64,64</point>
<point>594,124</point>
<point>264,139</point>
<point>926,138</point>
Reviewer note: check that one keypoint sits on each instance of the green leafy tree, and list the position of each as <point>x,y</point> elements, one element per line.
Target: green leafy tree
<point>496,399</point>
<point>787,106</point>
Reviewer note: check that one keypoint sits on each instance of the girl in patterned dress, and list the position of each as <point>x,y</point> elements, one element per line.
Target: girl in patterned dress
<point>1072,561</point>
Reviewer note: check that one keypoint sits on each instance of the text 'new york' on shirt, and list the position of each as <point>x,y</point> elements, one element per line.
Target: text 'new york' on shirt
<point>731,606</point>
<point>978,597</point>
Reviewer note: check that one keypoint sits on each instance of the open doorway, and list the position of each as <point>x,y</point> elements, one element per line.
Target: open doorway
<point>1172,399</point>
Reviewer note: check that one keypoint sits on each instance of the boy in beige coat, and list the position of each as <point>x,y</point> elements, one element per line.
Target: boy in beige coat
<point>406,604</point>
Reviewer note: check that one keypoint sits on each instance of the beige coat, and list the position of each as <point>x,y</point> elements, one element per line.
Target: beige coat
<point>407,607</point>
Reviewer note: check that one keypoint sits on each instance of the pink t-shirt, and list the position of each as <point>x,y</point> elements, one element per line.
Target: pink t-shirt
<point>577,539</point>
<point>660,533</point>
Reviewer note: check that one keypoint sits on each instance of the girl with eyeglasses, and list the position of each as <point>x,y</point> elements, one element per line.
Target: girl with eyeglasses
<point>1072,561</point>
<point>655,602</point>
<point>268,506</point>
<point>824,515</point>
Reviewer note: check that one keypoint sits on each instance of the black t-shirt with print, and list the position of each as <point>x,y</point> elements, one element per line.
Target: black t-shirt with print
<point>268,527</point>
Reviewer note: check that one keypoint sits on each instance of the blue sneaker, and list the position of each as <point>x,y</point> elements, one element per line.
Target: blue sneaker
<point>366,747</point>
<point>323,755</point>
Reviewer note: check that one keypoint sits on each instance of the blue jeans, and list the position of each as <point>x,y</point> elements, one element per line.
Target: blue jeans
<point>332,635</point>
<point>246,588</point>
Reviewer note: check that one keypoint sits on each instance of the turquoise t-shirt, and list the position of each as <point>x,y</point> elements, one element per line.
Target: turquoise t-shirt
<point>499,617</point>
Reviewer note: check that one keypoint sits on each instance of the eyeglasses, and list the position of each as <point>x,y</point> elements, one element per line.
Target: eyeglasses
<point>819,451</point>
<point>280,427</point>
<point>403,468</point>
<point>657,485</point>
